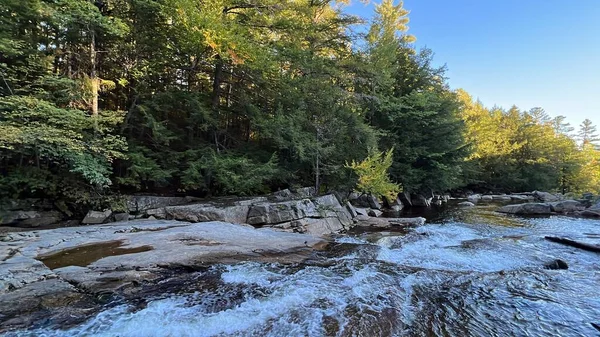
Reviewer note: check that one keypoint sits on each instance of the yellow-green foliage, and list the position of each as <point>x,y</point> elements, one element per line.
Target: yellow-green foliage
<point>373,175</point>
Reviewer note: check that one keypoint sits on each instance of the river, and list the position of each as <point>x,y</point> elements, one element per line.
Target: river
<point>469,272</point>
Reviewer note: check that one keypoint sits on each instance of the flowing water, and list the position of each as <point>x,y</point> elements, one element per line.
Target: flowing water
<point>470,272</point>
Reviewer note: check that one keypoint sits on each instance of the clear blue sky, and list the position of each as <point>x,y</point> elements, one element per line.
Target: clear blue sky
<point>525,52</point>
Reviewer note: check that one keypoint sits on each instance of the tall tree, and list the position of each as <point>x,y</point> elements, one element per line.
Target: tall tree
<point>588,133</point>
<point>562,127</point>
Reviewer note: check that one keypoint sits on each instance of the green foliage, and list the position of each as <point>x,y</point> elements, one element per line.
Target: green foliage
<point>373,175</point>
<point>515,150</point>
<point>226,97</point>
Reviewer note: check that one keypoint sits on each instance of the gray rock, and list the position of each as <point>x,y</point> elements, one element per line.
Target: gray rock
<point>466,204</point>
<point>405,198</point>
<point>351,209</point>
<point>501,198</point>
<point>375,213</point>
<point>556,265</point>
<point>420,200</point>
<point>33,286</point>
<point>157,213</point>
<point>592,213</point>
<point>283,195</point>
<point>313,226</point>
<point>487,198</point>
<point>305,192</point>
<point>474,198</point>
<point>545,196</point>
<point>517,197</point>
<point>138,204</point>
<point>96,217</point>
<point>566,206</point>
<point>527,209</point>
<point>362,211</point>
<point>121,217</point>
<point>30,218</point>
<point>274,213</point>
<point>367,201</point>
<point>206,212</point>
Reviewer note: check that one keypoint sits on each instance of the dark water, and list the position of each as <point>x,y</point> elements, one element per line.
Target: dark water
<point>471,272</point>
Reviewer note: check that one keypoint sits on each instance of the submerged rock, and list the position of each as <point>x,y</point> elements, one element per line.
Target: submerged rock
<point>557,265</point>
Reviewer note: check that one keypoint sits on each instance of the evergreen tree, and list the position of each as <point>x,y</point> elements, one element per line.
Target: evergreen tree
<point>588,133</point>
<point>560,126</point>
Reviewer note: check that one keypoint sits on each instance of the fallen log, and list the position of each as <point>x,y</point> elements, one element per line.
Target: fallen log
<point>573,243</point>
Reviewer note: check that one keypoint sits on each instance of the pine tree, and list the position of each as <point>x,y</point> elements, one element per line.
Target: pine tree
<point>588,133</point>
<point>560,126</point>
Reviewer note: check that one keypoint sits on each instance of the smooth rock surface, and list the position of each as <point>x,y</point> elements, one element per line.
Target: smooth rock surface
<point>545,196</point>
<point>138,204</point>
<point>170,245</point>
<point>566,206</point>
<point>527,209</point>
<point>466,204</point>
<point>96,217</point>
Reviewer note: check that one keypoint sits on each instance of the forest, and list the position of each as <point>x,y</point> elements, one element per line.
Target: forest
<point>243,97</point>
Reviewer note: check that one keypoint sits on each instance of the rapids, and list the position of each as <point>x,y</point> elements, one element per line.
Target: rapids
<point>471,272</point>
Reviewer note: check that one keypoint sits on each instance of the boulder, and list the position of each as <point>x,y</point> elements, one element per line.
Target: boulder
<point>527,209</point>
<point>474,198</point>
<point>367,201</point>
<point>375,213</point>
<point>566,206</point>
<point>320,216</point>
<point>420,200</point>
<point>205,212</point>
<point>395,204</point>
<point>501,198</point>
<point>313,226</point>
<point>545,196</point>
<point>97,217</point>
<point>351,209</point>
<point>556,265</point>
<point>487,198</point>
<point>121,217</point>
<point>141,203</point>
<point>283,195</point>
<point>466,204</point>
<point>274,213</point>
<point>518,197</point>
<point>592,213</point>
<point>305,192</point>
<point>30,218</point>
<point>405,199</point>
<point>362,211</point>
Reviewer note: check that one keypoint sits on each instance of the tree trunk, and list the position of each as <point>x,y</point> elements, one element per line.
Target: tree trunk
<point>576,244</point>
<point>93,77</point>
<point>216,92</point>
